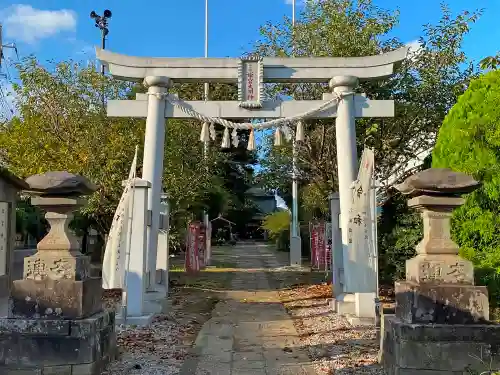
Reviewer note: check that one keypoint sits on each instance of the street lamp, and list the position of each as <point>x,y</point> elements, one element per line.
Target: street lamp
<point>102,23</point>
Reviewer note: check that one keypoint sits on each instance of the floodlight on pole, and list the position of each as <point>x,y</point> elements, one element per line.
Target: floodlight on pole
<point>101,22</point>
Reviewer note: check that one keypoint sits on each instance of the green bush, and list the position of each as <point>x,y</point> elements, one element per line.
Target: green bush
<point>399,231</point>
<point>277,226</point>
<point>469,142</point>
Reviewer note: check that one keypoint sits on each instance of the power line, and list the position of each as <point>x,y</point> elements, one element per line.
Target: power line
<point>8,111</point>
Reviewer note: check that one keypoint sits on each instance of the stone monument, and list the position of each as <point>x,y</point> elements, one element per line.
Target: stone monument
<point>441,322</point>
<point>56,323</point>
<point>10,185</point>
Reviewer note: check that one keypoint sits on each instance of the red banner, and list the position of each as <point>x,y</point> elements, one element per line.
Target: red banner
<point>196,247</point>
<point>320,251</point>
<point>314,245</point>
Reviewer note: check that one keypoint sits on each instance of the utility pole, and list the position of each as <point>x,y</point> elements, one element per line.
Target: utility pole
<point>101,22</point>
<point>206,219</point>
<point>295,259</point>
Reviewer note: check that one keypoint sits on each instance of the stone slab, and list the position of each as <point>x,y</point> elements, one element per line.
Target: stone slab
<point>35,326</point>
<point>438,349</point>
<point>345,304</point>
<point>441,303</point>
<point>56,299</point>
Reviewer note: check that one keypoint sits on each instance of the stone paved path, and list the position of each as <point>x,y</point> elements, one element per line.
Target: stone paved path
<point>250,333</point>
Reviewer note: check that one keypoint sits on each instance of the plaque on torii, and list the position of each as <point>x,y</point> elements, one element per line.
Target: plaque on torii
<point>251,82</point>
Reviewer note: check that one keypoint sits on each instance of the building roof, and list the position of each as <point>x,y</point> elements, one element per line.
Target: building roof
<point>13,179</point>
<point>258,192</point>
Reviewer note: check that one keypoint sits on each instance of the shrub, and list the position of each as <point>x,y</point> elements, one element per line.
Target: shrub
<point>277,226</point>
<point>469,142</point>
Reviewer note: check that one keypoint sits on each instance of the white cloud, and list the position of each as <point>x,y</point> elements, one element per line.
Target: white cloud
<point>27,24</point>
<point>415,48</point>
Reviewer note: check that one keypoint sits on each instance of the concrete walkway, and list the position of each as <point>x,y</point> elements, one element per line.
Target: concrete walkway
<point>249,332</point>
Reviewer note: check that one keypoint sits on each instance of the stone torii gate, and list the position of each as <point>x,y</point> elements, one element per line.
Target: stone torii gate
<point>342,74</point>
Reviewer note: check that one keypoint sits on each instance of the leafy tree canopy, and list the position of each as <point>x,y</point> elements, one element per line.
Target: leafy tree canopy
<point>424,88</point>
<point>469,142</point>
<point>62,125</point>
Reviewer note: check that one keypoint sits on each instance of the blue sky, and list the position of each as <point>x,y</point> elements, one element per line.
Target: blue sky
<point>62,29</point>
<point>59,29</point>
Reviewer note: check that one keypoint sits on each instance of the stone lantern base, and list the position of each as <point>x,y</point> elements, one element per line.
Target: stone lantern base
<point>57,347</point>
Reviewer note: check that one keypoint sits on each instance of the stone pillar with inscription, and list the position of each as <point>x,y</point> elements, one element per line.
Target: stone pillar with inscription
<point>56,318</point>
<point>441,323</point>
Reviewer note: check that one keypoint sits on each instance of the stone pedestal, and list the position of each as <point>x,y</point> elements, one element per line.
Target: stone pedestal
<point>439,349</point>
<point>56,346</point>
<point>56,323</point>
<point>441,322</point>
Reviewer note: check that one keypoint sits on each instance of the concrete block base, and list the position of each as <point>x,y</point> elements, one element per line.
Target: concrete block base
<point>63,347</point>
<point>345,304</point>
<point>365,305</point>
<point>295,251</point>
<point>438,349</point>
<point>333,304</point>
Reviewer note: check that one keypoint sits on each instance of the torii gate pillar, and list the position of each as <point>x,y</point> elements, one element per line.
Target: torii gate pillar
<point>152,169</point>
<point>347,156</point>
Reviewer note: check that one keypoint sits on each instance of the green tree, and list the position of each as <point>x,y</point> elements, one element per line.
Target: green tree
<point>277,226</point>
<point>62,125</point>
<point>469,142</point>
<point>424,88</point>
<point>490,62</point>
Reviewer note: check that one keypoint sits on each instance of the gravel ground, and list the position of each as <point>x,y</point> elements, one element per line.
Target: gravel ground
<point>161,348</point>
<point>335,347</point>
